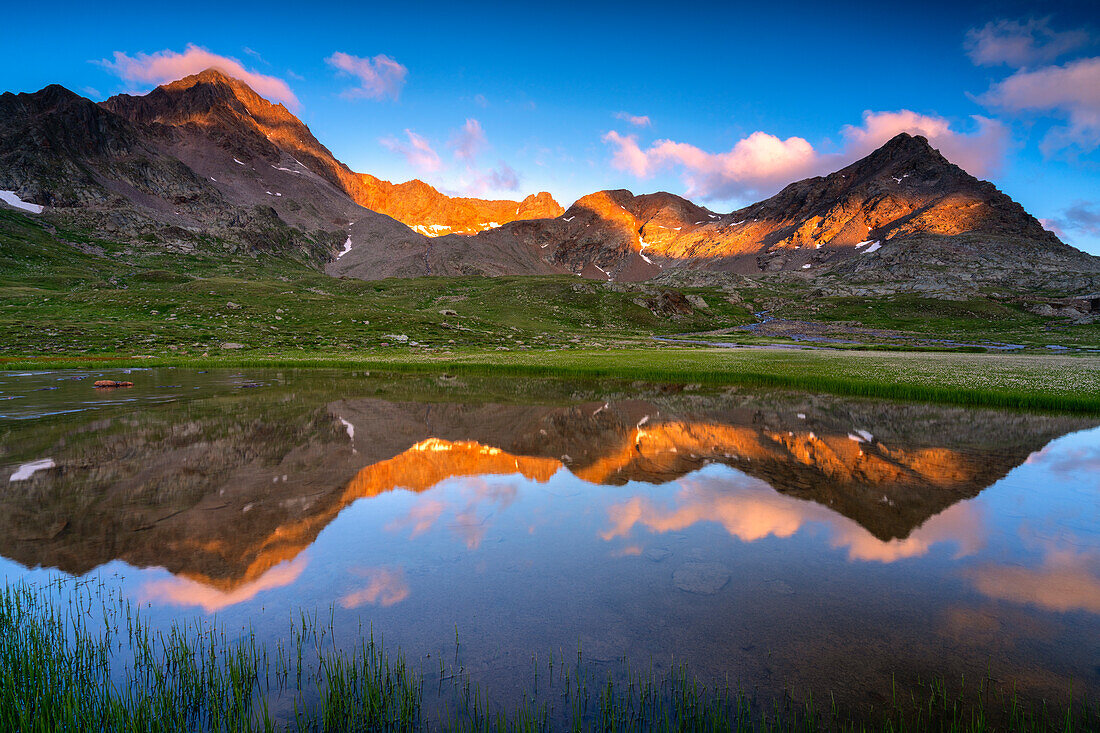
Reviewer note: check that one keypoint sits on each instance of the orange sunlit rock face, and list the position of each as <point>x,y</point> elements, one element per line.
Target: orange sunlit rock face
<point>227,506</point>
<point>431,461</point>
<point>903,190</point>
<point>434,214</point>
<point>227,109</point>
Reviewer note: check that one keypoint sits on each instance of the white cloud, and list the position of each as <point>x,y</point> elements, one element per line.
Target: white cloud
<point>165,66</point>
<point>378,77</point>
<point>636,120</point>
<point>256,55</point>
<point>501,178</point>
<point>1070,91</point>
<point>1054,226</point>
<point>465,176</point>
<point>1083,217</point>
<point>417,151</point>
<point>469,141</point>
<point>1019,44</point>
<point>762,163</point>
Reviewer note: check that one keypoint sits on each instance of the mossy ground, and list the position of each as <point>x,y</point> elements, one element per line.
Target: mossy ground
<point>69,298</point>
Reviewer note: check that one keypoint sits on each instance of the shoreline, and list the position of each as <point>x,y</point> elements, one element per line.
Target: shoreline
<point>1055,382</point>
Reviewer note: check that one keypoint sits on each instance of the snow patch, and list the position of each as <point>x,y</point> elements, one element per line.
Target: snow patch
<point>237,162</point>
<point>874,246</point>
<point>861,436</point>
<point>432,230</point>
<point>346,249</point>
<point>602,270</point>
<point>27,470</point>
<point>349,427</point>
<point>9,198</point>
<point>570,218</point>
<point>806,266</point>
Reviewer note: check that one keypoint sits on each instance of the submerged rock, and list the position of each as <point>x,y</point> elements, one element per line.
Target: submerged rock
<point>703,578</point>
<point>111,384</point>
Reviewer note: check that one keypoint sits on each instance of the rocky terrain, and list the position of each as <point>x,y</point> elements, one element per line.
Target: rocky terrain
<point>903,215</point>
<point>207,162</point>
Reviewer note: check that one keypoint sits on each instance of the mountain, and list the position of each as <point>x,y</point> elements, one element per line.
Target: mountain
<point>900,213</point>
<point>214,106</point>
<point>434,214</point>
<point>205,161</point>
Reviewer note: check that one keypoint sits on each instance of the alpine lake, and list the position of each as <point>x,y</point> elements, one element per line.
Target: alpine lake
<point>516,537</point>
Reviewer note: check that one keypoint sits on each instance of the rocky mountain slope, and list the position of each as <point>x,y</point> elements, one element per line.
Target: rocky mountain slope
<point>205,161</point>
<point>211,105</point>
<point>434,214</point>
<point>902,213</point>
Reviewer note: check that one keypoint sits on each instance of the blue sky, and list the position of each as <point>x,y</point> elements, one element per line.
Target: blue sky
<point>505,101</point>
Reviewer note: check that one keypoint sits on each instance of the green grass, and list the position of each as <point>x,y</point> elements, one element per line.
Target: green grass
<point>1039,382</point>
<point>68,298</point>
<point>74,656</point>
<point>87,294</point>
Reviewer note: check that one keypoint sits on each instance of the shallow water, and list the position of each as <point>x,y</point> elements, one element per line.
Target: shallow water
<point>779,541</point>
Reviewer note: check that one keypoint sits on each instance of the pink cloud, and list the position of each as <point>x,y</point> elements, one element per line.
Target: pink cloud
<point>417,151</point>
<point>980,153</point>
<point>180,591</point>
<point>1071,91</point>
<point>501,178</point>
<point>762,163</point>
<point>1052,225</point>
<point>469,141</point>
<point>378,77</point>
<point>1018,44</point>
<point>1067,580</point>
<point>636,120</point>
<point>756,164</point>
<point>628,156</point>
<point>165,66</point>
<point>750,510</point>
<point>384,587</point>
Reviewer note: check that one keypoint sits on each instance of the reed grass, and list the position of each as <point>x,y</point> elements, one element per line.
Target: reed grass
<point>75,655</point>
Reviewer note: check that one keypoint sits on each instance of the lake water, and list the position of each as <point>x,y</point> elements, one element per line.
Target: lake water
<point>784,542</point>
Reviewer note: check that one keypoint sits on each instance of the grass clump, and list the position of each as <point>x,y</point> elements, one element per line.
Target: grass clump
<point>74,656</point>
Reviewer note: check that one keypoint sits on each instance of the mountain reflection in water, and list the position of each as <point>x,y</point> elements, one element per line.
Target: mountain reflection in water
<point>616,514</point>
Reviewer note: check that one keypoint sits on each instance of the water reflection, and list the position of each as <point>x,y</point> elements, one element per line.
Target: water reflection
<point>750,510</point>
<point>808,525</point>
